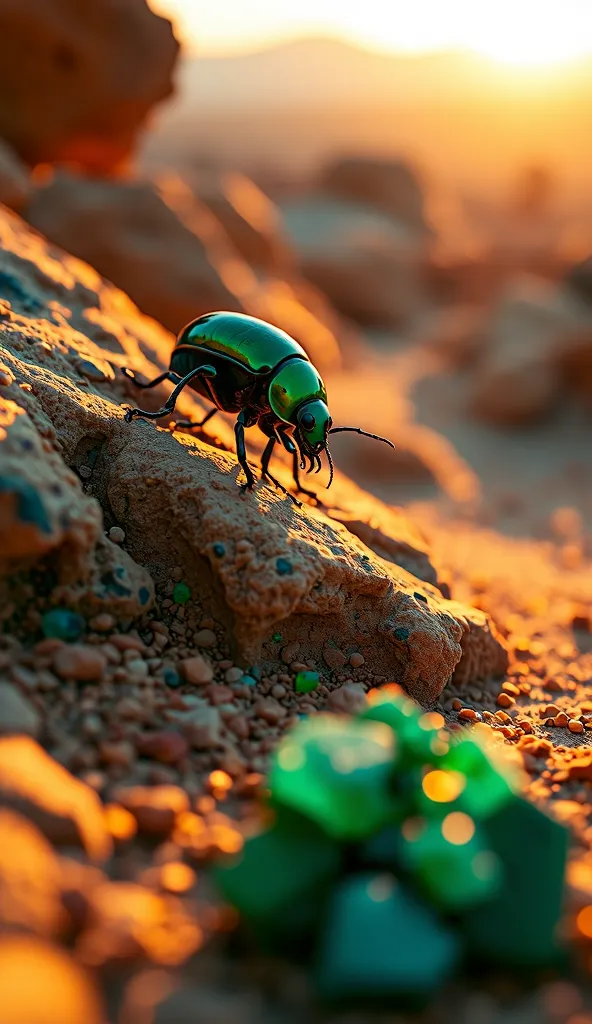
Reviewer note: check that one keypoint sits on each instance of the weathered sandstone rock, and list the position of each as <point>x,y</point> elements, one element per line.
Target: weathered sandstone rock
<point>79,79</point>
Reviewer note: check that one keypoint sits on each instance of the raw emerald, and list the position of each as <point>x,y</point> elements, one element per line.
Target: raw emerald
<point>338,772</point>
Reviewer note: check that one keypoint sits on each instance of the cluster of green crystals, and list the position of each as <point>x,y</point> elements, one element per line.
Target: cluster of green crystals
<point>396,852</point>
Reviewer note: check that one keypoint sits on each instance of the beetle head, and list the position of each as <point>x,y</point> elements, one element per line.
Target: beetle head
<point>313,421</point>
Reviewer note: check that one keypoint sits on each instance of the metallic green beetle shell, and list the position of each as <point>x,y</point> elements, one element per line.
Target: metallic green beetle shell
<point>293,384</point>
<point>259,346</point>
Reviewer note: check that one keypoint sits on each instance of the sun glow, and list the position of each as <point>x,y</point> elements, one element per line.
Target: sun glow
<point>518,33</point>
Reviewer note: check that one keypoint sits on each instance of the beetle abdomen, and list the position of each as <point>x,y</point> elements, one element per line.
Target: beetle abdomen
<point>255,344</point>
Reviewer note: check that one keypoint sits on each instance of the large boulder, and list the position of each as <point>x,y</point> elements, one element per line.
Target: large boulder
<point>255,559</point>
<point>79,79</point>
<point>537,344</point>
<point>370,265</point>
<point>170,253</point>
<point>389,185</point>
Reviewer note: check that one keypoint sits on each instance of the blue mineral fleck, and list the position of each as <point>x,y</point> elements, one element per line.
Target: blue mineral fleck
<point>284,567</point>
<point>62,624</point>
<point>219,550</point>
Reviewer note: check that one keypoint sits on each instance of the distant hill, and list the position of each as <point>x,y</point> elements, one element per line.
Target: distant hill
<point>307,71</point>
<point>293,105</point>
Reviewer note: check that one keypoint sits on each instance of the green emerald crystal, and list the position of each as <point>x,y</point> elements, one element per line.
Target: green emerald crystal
<point>449,861</point>
<point>338,772</point>
<point>306,682</point>
<point>379,942</point>
<point>518,926</point>
<point>181,593</point>
<point>278,870</point>
<point>417,740</point>
<point>486,788</point>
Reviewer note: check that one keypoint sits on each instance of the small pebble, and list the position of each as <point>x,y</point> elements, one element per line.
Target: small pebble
<point>549,711</point>
<point>270,711</point>
<point>248,681</point>
<point>334,658</point>
<point>116,534</point>
<point>102,623</point>
<point>505,701</point>
<point>197,670</point>
<point>356,660</point>
<point>205,638</point>
<point>233,675</point>
<point>85,664</point>
<point>511,689</point>
<point>165,746</point>
<point>290,652</point>
<point>468,715</point>
<point>574,726</point>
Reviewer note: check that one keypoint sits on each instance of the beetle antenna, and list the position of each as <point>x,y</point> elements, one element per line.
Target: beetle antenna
<point>330,466</point>
<point>365,433</point>
<point>319,464</point>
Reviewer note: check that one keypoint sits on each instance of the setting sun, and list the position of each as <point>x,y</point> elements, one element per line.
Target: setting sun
<point>528,33</point>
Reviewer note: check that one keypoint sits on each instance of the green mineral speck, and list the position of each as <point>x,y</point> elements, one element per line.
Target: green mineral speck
<point>181,593</point>
<point>62,624</point>
<point>277,638</point>
<point>306,682</point>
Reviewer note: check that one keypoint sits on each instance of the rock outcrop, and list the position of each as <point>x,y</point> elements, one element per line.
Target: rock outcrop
<point>257,560</point>
<point>79,80</point>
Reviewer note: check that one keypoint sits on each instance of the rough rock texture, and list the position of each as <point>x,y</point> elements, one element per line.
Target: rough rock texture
<point>79,79</point>
<point>168,251</point>
<point>43,510</point>
<point>538,343</point>
<point>370,265</point>
<point>63,808</point>
<point>258,559</point>
<point>389,185</point>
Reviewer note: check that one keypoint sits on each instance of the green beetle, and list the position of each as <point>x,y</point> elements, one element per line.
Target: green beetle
<point>244,365</point>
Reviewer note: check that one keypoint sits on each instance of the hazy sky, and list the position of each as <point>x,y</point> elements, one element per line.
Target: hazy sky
<point>527,32</point>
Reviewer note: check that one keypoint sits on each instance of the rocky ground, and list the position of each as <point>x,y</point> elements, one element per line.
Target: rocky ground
<point>137,723</point>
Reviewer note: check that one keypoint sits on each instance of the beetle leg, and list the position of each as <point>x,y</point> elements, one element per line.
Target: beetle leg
<point>131,375</point>
<point>241,451</point>
<point>293,451</point>
<point>187,424</point>
<point>265,460</point>
<point>168,407</point>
